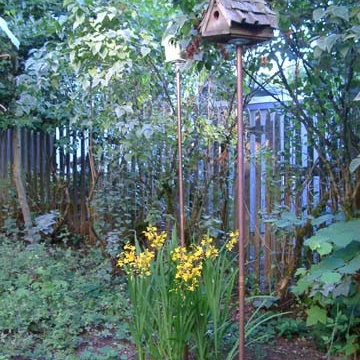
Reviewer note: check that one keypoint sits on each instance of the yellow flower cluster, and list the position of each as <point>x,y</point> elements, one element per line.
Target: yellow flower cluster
<point>210,250</point>
<point>156,240</point>
<point>190,262</point>
<point>234,236</point>
<point>140,263</point>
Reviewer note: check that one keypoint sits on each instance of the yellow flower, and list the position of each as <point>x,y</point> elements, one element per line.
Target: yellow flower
<point>198,252</point>
<point>178,253</point>
<point>128,257</point>
<point>206,240</point>
<point>156,241</point>
<point>139,263</point>
<point>189,267</point>
<point>143,262</point>
<point>232,241</point>
<point>129,247</point>
<point>211,252</point>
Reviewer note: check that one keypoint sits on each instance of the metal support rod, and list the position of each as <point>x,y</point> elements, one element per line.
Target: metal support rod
<point>240,198</point>
<point>180,177</point>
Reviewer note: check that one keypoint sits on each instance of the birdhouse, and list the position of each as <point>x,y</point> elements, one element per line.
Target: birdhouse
<point>247,21</point>
<point>173,52</point>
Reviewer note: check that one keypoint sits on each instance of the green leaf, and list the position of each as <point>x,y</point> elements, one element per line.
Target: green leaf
<point>340,234</point>
<point>354,165</point>
<point>4,27</point>
<point>352,345</point>
<point>300,272</point>
<point>145,51</point>
<point>329,263</point>
<point>341,12</point>
<point>301,286</point>
<point>100,17</point>
<point>330,277</point>
<point>352,267</point>
<point>324,249</point>
<point>78,21</point>
<point>318,14</point>
<point>321,219</point>
<point>315,315</point>
<point>314,244</point>
<point>326,43</point>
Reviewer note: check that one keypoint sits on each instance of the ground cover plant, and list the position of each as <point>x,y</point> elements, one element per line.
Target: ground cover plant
<point>52,298</point>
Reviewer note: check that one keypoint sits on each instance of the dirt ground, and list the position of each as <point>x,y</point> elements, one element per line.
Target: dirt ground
<point>286,349</point>
<point>280,349</point>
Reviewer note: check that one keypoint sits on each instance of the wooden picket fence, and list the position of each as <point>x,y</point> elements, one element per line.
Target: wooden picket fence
<point>57,172</point>
<point>55,168</point>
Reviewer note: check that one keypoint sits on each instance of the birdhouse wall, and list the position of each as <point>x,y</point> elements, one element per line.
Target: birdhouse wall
<point>216,23</point>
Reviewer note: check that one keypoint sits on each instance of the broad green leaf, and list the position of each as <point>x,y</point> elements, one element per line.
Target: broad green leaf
<point>340,12</point>
<point>301,286</point>
<point>329,263</point>
<point>326,43</point>
<point>330,277</point>
<point>324,249</point>
<point>300,272</point>
<point>313,244</point>
<point>352,267</point>
<point>321,219</point>
<point>340,234</point>
<point>315,315</point>
<point>318,14</point>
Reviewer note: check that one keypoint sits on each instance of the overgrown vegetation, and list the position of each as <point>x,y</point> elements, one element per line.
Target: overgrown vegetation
<point>91,75</point>
<point>53,299</point>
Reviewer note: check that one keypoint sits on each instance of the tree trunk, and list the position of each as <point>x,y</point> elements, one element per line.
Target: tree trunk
<point>282,286</point>
<point>20,187</point>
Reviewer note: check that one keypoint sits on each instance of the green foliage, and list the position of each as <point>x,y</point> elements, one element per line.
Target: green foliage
<point>331,286</point>
<point>355,164</point>
<point>167,317</point>
<point>51,297</point>
<point>168,313</point>
<point>291,327</point>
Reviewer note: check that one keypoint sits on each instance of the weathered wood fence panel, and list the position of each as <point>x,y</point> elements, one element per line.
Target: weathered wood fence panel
<point>50,168</point>
<point>57,173</point>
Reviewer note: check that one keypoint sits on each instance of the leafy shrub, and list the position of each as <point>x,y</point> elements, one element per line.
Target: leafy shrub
<point>331,287</point>
<point>291,327</point>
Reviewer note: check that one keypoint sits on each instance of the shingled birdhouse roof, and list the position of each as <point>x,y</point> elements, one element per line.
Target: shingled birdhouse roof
<point>251,21</point>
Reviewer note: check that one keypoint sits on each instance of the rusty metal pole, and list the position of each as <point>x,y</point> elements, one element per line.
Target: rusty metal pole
<point>180,168</point>
<point>240,198</point>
